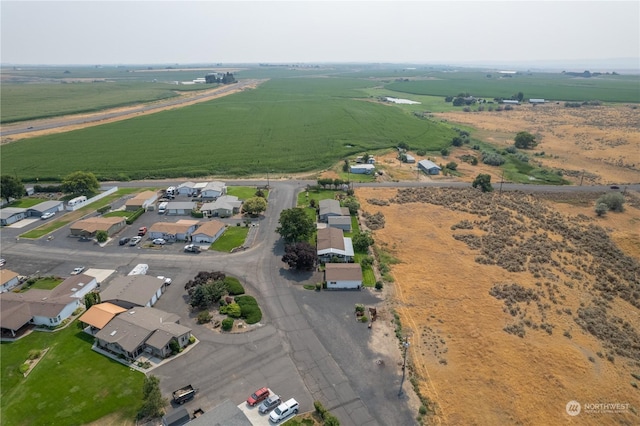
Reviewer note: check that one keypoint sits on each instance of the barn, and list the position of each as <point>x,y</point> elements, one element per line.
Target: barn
<point>429,167</point>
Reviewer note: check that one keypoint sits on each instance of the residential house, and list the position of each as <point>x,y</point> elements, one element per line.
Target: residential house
<point>44,307</point>
<point>89,227</point>
<point>362,169</point>
<point>208,232</point>
<point>224,206</point>
<point>340,222</point>
<point>98,316</point>
<point>213,190</point>
<point>144,200</point>
<point>333,244</point>
<point>51,206</point>
<point>178,231</point>
<point>187,188</point>
<point>143,330</point>
<point>181,208</point>
<point>10,215</point>
<point>328,208</point>
<point>133,290</point>
<point>343,276</point>
<point>429,167</point>
<point>8,280</point>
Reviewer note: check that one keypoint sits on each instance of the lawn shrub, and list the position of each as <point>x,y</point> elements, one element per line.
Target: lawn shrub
<point>250,310</point>
<point>227,324</point>
<point>23,368</point>
<point>134,216</point>
<point>204,317</point>
<point>233,286</point>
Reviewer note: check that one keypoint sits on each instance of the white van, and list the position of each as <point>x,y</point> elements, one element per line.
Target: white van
<point>162,207</point>
<point>284,410</point>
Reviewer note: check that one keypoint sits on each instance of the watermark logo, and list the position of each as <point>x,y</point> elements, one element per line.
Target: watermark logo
<point>573,408</point>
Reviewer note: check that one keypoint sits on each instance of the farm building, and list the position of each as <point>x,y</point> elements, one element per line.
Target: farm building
<point>330,208</point>
<point>224,206</point>
<point>51,206</point>
<point>410,159</point>
<point>11,215</point>
<point>213,190</point>
<point>362,169</point>
<point>511,101</point>
<point>536,101</point>
<point>143,200</point>
<point>429,167</point>
<point>209,232</point>
<point>333,244</point>
<point>178,231</point>
<point>89,227</point>
<point>141,330</point>
<point>180,208</point>
<point>97,316</point>
<point>8,280</point>
<point>340,222</point>
<point>343,275</point>
<point>187,188</point>
<point>133,290</point>
<point>44,307</point>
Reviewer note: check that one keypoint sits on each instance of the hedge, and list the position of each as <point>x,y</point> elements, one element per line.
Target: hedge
<point>233,286</point>
<point>250,310</point>
<point>134,216</point>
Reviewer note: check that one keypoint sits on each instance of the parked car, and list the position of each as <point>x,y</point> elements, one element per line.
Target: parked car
<point>47,215</point>
<point>258,396</point>
<point>124,240</point>
<point>269,404</point>
<point>192,248</point>
<point>284,410</point>
<point>77,270</point>
<point>184,394</point>
<point>142,231</point>
<point>2,262</point>
<point>159,241</point>
<point>135,240</point>
<point>166,280</point>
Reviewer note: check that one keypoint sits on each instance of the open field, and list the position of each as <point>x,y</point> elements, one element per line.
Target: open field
<point>606,88</point>
<point>316,122</point>
<point>515,305</point>
<point>51,395</point>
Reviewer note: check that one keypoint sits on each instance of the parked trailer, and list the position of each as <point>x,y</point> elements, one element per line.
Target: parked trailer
<point>184,394</point>
<point>140,269</point>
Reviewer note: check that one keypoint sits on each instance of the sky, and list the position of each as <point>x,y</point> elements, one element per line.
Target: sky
<point>421,32</point>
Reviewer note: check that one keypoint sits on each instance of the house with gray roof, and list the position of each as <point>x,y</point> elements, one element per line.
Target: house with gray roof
<point>10,215</point>
<point>328,208</point>
<point>340,222</point>
<point>429,167</point>
<point>130,291</point>
<point>51,206</point>
<point>187,188</point>
<point>224,206</point>
<point>213,190</point>
<point>143,329</point>
<point>227,414</point>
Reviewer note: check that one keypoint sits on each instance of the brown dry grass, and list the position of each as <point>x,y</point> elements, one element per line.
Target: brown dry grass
<point>490,376</point>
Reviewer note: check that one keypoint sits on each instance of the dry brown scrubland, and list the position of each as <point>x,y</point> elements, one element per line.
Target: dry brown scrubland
<point>515,311</point>
<point>515,304</point>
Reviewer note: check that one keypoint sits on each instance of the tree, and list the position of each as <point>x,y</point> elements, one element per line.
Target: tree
<point>345,166</point>
<point>452,165</point>
<point>254,206</point>
<point>444,152</point>
<point>601,209</point>
<point>484,182</point>
<point>204,295</point>
<point>260,193</point>
<point>11,187</point>
<point>614,201</point>
<point>83,183</point>
<point>295,225</point>
<point>300,255</point>
<point>154,403</point>
<point>91,299</point>
<point>362,241</point>
<point>457,141</point>
<point>352,204</point>
<point>102,236</point>
<point>525,140</point>
<point>458,101</point>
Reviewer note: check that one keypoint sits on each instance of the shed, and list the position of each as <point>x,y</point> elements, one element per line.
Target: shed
<point>409,159</point>
<point>343,276</point>
<point>177,417</point>
<point>429,167</point>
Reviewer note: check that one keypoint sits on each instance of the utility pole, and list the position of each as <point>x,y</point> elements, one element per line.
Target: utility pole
<point>501,180</point>
<point>268,185</point>
<point>581,178</point>
<point>404,364</point>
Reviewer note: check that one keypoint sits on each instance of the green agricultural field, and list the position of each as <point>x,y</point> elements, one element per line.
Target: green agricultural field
<point>33,101</point>
<point>71,385</point>
<point>293,125</point>
<point>608,88</point>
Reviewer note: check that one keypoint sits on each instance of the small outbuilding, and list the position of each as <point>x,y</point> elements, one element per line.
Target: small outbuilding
<point>362,169</point>
<point>343,276</point>
<point>429,167</point>
<point>180,208</point>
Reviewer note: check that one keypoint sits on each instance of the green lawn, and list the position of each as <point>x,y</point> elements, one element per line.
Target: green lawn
<point>305,197</point>
<point>244,192</point>
<point>46,283</point>
<point>233,237</point>
<point>71,385</point>
<point>25,203</point>
<point>119,213</point>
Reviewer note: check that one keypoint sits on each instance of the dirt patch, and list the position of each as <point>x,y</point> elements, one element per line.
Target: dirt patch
<point>468,361</point>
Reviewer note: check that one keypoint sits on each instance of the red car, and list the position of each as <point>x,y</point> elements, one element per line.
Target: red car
<point>258,396</point>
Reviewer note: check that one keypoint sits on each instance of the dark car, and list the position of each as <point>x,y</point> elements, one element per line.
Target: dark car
<point>269,404</point>
<point>124,240</point>
<point>258,396</point>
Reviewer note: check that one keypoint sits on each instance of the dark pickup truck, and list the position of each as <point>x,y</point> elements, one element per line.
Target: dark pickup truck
<point>184,394</point>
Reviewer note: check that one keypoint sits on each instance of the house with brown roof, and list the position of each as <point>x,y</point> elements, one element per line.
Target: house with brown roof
<point>8,280</point>
<point>173,231</point>
<point>89,227</point>
<point>99,315</point>
<point>44,307</point>
<point>130,291</point>
<point>142,200</point>
<point>208,232</point>
<point>331,243</point>
<point>143,329</point>
<point>343,276</point>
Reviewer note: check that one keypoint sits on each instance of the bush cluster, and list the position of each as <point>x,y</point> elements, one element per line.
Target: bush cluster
<point>492,158</point>
<point>329,419</point>
<point>132,218</point>
<point>233,286</point>
<point>374,221</point>
<point>250,310</point>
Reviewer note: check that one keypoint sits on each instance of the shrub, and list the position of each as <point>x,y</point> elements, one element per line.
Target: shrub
<point>104,209</point>
<point>319,408</point>
<point>444,152</point>
<point>615,201</point>
<point>250,310</point>
<point>174,346</point>
<point>511,149</point>
<point>421,152</point>
<point>227,324</point>
<point>379,285</point>
<point>134,216</point>
<point>422,410</point>
<point>601,209</point>
<point>233,286</point>
<point>492,158</point>
<point>192,340</point>
<point>34,354</point>
<point>452,165</point>
<point>364,318</point>
<point>331,420</point>
<point>233,310</point>
<point>102,236</point>
<point>204,317</point>
<point>23,368</point>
